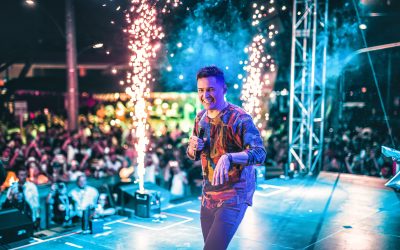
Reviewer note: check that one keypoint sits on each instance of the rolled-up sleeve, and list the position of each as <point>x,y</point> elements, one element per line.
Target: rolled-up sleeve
<point>252,141</point>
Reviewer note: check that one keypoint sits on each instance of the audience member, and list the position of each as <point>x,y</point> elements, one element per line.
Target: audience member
<point>84,196</point>
<point>61,205</point>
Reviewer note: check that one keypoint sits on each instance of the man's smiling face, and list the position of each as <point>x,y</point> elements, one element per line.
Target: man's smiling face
<point>211,92</point>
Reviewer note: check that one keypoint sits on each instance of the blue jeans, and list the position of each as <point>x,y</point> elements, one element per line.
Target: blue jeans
<point>220,224</point>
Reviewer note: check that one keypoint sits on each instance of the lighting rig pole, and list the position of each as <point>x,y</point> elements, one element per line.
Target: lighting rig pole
<point>307,85</point>
<point>72,76</point>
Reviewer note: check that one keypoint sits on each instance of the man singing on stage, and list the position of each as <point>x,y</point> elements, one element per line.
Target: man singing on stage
<point>229,145</point>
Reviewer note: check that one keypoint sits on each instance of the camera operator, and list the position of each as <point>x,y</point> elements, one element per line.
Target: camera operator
<point>30,194</point>
<point>60,204</point>
<point>16,199</point>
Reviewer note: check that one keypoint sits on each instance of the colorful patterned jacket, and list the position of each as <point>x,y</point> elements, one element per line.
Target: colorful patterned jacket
<point>233,130</point>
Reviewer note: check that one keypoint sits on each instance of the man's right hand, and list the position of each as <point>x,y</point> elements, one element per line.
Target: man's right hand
<point>195,144</point>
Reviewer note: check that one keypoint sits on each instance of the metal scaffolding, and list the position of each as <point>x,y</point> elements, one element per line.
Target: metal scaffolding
<point>307,84</point>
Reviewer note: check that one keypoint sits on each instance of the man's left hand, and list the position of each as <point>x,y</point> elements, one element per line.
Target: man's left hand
<point>221,171</point>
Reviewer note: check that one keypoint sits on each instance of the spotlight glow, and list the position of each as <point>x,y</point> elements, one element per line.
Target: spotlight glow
<point>30,2</point>
<point>97,46</point>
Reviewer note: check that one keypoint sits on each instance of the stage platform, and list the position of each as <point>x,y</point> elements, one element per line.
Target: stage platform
<point>332,211</point>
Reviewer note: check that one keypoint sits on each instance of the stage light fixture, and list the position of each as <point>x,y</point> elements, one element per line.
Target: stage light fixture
<point>363,26</point>
<point>30,2</point>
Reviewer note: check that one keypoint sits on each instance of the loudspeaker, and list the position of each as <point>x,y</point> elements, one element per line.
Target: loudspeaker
<point>96,226</point>
<point>128,199</point>
<point>147,203</point>
<point>14,226</point>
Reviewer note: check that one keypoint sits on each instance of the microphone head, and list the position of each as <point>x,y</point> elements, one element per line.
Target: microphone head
<point>201,133</point>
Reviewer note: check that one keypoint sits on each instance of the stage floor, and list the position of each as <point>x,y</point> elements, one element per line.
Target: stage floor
<point>329,212</point>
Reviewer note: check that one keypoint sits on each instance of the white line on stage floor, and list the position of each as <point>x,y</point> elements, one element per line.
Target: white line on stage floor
<point>265,186</point>
<point>42,241</point>
<point>193,211</point>
<point>177,205</point>
<point>38,241</point>
<point>103,234</point>
<point>187,219</point>
<point>115,221</point>
<point>73,245</point>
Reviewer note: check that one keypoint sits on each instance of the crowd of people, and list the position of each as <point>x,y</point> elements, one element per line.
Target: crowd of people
<point>351,145</point>
<point>54,156</point>
<point>348,150</point>
<point>357,150</point>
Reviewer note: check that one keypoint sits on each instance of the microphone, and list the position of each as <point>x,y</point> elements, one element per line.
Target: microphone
<point>201,135</point>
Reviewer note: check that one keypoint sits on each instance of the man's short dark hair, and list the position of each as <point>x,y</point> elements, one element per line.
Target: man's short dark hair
<point>211,71</point>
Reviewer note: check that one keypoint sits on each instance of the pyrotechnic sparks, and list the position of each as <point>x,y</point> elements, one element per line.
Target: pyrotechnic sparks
<point>170,4</point>
<point>253,83</point>
<point>145,36</point>
<point>258,66</point>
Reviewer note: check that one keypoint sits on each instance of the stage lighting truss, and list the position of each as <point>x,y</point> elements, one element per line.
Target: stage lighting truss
<point>307,84</point>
